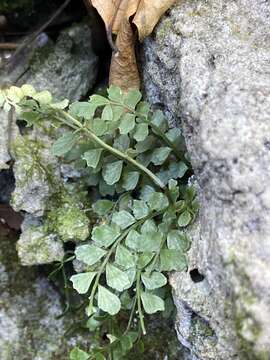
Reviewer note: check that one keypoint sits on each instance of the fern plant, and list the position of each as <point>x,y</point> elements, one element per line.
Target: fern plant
<point>139,167</point>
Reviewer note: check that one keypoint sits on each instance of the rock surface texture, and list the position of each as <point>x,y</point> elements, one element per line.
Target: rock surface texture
<point>67,68</point>
<point>208,64</point>
<point>29,306</point>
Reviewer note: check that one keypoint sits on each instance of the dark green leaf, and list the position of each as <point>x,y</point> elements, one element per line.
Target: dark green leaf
<point>31,117</point>
<point>123,219</point>
<point>174,189</point>
<point>154,280</point>
<point>160,155</point>
<point>124,257</point>
<point>102,207</point>
<point>121,142</point>
<point>116,278</point>
<point>143,109</point>
<point>130,180</point>
<point>147,144</point>
<point>132,98</point>
<point>118,111</point>
<point>107,301</point>
<point>98,100</point>
<point>82,109</point>
<point>149,226</point>
<point>150,241</point>
<point>177,170</point>
<point>104,235</point>
<point>174,134</point>
<point>89,254</point>
<point>140,209</point>
<point>172,260</point>
<point>158,201</point>
<point>78,354</point>
<point>141,132</point>
<point>144,158</point>
<point>107,113</point>
<point>64,144</point>
<point>146,192</point>
<point>99,127</point>
<point>178,240</point>
<point>99,356</point>
<point>127,123</point>
<point>152,303</point>
<point>112,172</point>
<point>126,343</point>
<point>81,282</point>
<point>184,219</point>
<point>133,239</point>
<point>144,259</point>
<point>159,121</point>
<point>105,189</point>
<point>115,93</point>
<point>92,157</point>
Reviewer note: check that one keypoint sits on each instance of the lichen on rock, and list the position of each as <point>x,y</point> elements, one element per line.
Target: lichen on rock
<point>35,246</point>
<point>66,215</point>
<point>36,172</point>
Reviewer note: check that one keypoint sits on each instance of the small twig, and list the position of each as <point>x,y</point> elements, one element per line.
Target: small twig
<point>8,46</point>
<point>35,34</point>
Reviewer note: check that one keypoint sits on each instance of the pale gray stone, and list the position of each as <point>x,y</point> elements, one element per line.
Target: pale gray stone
<point>208,64</point>
<point>9,131</point>
<point>68,68</point>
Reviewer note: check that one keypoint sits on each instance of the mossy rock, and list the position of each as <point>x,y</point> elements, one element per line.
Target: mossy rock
<point>29,306</point>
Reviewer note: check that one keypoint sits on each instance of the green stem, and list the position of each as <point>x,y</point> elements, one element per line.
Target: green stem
<point>116,152</point>
<point>138,295</point>
<point>131,315</point>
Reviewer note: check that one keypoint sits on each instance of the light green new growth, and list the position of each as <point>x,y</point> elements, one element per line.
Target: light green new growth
<point>132,158</point>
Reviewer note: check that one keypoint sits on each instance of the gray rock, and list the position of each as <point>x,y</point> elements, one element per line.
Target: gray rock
<point>209,65</point>
<point>68,68</point>
<point>8,132</point>
<point>29,306</point>
<point>36,173</point>
<point>36,247</point>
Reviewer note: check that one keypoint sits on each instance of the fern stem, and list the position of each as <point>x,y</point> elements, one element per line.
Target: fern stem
<point>139,301</point>
<point>117,152</point>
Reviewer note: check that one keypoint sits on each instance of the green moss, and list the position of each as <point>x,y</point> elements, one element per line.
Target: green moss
<point>202,329</point>
<point>29,153</point>
<point>70,223</point>
<point>65,215</point>
<point>37,247</point>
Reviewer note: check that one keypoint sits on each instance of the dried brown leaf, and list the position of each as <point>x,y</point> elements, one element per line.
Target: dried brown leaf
<point>114,11</point>
<point>116,15</point>
<point>124,72</point>
<point>148,14</point>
